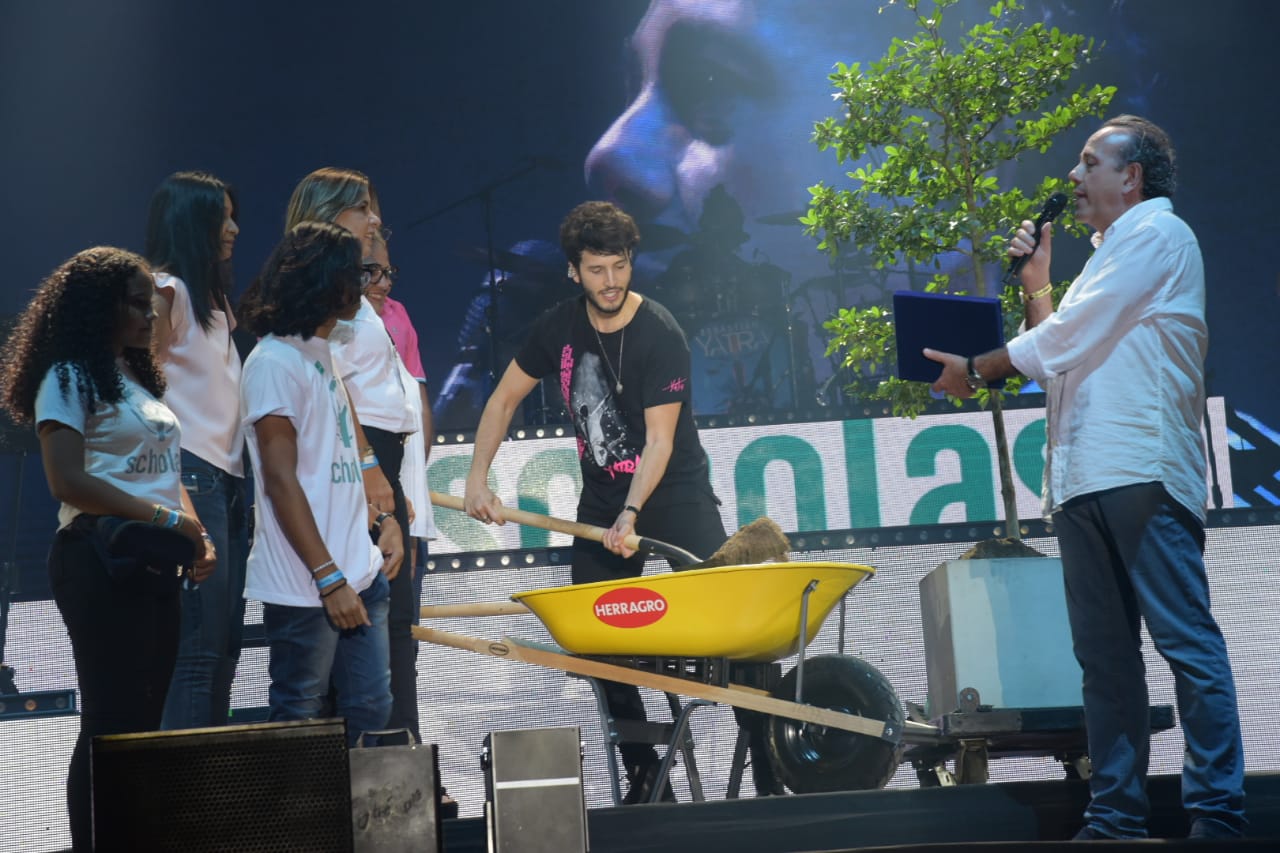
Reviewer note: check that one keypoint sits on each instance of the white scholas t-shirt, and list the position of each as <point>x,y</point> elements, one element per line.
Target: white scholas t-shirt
<point>293,378</point>
<point>132,444</point>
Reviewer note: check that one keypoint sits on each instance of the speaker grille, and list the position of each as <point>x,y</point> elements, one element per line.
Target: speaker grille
<point>269,787</point>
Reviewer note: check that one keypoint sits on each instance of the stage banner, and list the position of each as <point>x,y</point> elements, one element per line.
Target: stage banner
<point>821,475</point>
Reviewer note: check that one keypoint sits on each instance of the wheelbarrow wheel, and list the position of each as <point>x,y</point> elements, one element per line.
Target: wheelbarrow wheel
<point>811,759</point>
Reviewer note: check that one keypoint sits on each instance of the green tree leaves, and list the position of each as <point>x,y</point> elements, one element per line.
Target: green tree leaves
<point>932,131</point>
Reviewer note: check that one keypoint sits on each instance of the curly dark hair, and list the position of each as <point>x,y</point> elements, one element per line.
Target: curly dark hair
<point>1149,146</point>
<point>312,276</point>
<point>184,238</point>
<point>71,321</point>
<point>600,227</point>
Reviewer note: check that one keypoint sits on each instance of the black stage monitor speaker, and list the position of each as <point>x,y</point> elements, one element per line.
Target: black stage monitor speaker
<point>267,787</point>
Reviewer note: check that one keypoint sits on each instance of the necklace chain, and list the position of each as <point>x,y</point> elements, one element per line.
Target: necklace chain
<point>617,375</point>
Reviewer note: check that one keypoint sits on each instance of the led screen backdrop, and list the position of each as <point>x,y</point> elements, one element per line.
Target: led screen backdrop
<point>465,696</point>
<point>826,475</point>
<point>482,123</point>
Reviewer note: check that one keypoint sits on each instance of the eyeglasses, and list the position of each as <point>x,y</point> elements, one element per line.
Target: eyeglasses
<point>375,273</point>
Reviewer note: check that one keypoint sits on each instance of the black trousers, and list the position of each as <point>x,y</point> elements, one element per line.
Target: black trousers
<point>697,528</point>
<point>124,639</point>
<point>406,593</point>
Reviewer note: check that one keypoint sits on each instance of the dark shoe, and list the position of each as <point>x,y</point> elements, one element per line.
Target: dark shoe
<point>448,806</point>
<point>7,687</point>
<point>1208,828</point>
<point>641,779</point>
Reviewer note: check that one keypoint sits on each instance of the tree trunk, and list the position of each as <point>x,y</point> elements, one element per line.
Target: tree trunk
<point>1013,529</point>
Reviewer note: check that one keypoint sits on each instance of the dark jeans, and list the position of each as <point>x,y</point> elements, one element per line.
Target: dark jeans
<point>1130,555</point>
<point>312,664</point>
<point>124,639</point>
<point>697,528</point>
<point>213,611</point>
<point>4,607</point>
<point>406,593</point>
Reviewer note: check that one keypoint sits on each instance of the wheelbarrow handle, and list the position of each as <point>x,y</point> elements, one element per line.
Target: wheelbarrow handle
<point>575,528</point>
<point>475,608</point>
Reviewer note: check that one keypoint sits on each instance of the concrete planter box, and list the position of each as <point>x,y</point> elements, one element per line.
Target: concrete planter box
<point>998,626</point>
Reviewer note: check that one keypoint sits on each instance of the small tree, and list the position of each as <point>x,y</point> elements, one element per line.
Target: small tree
<point>940,127</point>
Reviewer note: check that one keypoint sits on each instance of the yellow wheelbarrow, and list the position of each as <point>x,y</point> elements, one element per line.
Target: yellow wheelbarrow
<point>836,722</point>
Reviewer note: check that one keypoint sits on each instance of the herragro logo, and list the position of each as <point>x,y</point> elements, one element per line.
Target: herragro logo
<point>630,607</point>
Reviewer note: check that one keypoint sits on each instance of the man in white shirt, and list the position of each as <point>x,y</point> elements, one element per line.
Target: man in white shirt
<point>1122,362</point>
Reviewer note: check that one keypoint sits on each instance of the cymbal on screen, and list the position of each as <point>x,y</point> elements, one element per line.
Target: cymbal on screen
<point>655,237</point>
<point>510,261</point>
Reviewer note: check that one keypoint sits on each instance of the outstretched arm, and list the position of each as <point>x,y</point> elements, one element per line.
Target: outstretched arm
<point>480,502</point>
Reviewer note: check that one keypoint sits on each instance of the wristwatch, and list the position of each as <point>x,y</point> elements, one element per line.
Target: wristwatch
<point>974,380</point>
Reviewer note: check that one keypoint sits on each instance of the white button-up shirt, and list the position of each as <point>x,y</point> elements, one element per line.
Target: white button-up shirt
<point>380,387</point>
<point>1122,362</point>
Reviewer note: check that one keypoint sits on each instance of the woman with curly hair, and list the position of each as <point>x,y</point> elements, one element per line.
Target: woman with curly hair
<point>322,581</point>
<point>191,231</point>
<point>79,366</point>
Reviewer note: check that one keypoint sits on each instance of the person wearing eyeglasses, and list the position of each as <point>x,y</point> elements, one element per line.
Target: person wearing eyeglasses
<point>406,592</point>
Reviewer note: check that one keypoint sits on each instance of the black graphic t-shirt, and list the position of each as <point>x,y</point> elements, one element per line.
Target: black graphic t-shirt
<point>649,358</point>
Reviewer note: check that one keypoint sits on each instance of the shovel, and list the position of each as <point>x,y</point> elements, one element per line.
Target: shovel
<point>761,541</point>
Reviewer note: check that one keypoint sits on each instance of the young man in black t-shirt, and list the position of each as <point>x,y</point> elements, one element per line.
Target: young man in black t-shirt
<point>623,367</point>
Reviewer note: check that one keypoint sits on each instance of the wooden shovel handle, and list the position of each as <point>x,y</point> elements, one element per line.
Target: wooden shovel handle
<point>533,519</point>
<point>476,608</point>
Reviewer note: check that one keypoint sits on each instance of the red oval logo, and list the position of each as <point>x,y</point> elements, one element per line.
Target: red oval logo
<point>630,607</point>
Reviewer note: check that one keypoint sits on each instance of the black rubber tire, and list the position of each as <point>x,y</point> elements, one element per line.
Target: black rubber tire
<point>811,759</point>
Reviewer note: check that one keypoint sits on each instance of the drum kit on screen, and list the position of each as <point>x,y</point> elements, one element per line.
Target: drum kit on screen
<point>742,335</point>
<point>753,338</point>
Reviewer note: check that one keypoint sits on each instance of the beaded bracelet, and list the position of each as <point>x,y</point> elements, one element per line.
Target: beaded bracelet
<point>155,516</point>
<point>329,580</point>
<point>1044,291</point>
<point>320,568</point>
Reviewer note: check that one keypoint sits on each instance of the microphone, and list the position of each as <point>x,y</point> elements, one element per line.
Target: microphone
<point>1048,213</point>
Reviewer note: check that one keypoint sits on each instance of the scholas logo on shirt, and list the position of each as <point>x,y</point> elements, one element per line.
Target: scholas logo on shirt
<point>345,471</point>
<point>153,463</point>
<point>630,607</point>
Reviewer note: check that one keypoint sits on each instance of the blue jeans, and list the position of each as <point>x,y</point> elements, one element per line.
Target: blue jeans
<point>306,651</point>
<point>1129,555</point>
<point>212,612</point>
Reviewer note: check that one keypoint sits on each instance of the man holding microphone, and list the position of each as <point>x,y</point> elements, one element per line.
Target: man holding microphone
<point>1122,363</point>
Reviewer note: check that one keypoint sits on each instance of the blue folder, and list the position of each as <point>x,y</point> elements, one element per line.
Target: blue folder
<point>964,325</point>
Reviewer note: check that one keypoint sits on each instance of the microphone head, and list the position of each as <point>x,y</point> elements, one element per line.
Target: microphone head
<point>1055,205</point>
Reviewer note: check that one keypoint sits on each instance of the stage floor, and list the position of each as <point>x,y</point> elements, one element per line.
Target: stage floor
<point>999,816</point>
